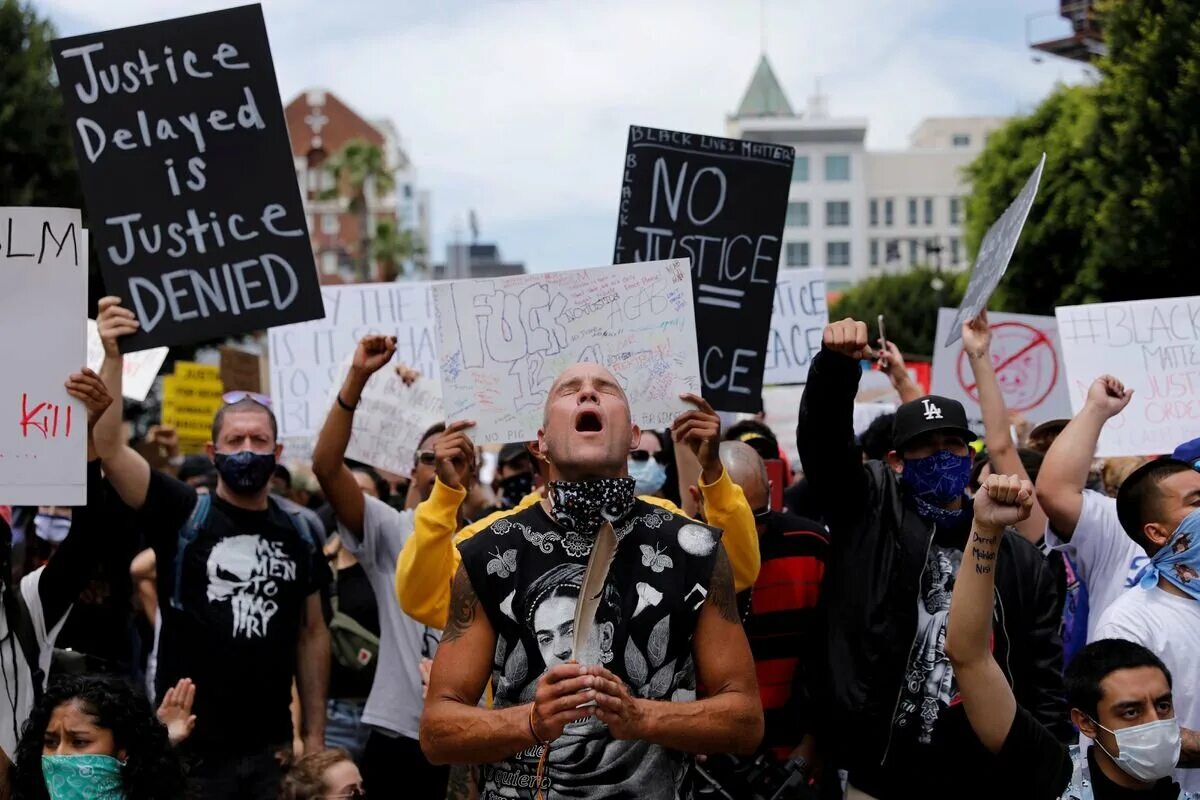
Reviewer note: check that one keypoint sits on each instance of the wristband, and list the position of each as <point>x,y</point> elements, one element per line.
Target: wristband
<point>537,739</point>
<point>345,406</point>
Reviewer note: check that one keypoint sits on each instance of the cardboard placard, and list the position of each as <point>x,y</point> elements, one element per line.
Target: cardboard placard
<point>184,157</point>
<point>503,342</point>
<point>1028,361</point>
<point>43,302</point>
<point>306,359</point>
<point>241,370</point>
<point>192,396</point>
<point>995,251</point>
<point>798,319</point>
<point>721,203</point>
<point>138,370</point>
<point>1153,347</point>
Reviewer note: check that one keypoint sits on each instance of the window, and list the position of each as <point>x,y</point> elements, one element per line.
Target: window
<point>800,170</point>
<point>329,262</point>
<point>837,254</point>
<point>874,212</point>
<point>955,211</point>
<point>961,140</point>
<point>797,254</point>
<point>874,252</point>
<point>888,208</point>
<point>837,213</point>
<point>954,245</point>
<point>329,224</point>
<point>928,210</point>
<point>797,215</point>
<point>912,211</point>
<point>837,168</point>
<point>892,251</point>
<point>912,251</point>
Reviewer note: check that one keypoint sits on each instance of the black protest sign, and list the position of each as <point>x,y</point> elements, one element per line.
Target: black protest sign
<point>995,251</point>
<point>191,190</point>
<point>722,204</point>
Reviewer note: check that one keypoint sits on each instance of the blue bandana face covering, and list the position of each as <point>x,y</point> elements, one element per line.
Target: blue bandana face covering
<point>83,777</point>
<point>937,479</point>
<point>1179,561</point>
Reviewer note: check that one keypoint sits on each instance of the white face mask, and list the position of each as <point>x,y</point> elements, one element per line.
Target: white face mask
<point>1147,752</point>
<point>51,527</point>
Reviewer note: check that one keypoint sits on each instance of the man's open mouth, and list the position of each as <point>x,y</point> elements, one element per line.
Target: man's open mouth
<point>588,422</point>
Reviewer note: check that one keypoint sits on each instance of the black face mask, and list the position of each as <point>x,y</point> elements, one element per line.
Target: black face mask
<point>513,489</point>
<point>245,472</point>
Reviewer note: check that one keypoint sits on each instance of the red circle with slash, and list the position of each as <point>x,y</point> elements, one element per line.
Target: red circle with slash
<point>1026,366</point>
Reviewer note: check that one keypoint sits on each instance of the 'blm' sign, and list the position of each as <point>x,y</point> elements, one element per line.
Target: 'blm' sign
<point>184,156</point>
<point>721,203</point>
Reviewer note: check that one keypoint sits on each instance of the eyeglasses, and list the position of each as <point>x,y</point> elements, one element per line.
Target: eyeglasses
<point>236,397</point>
<point>426,457</point>
<point>646,455</point>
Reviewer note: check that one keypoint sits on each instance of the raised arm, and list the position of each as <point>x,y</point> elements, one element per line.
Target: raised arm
<point>991,707</point>
<point>891,361</point>
<point>1001,450</point>
<point>728,719</point>
<point>1065,469</point>
<point>336,479</point>
<point>126,470</point>
<point>454,729</point>
<point>825,428</point>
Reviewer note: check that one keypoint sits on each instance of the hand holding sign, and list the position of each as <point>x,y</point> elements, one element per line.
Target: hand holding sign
<point>454,454</point>
<point>977,335</point>
<point>114,321</point>
<point>87,388</point>
<point>848,337</point>
<point>701,431</point>
<point>1108,396</point>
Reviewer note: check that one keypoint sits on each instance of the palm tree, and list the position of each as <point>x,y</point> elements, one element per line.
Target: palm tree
<point>358,167</point>
<point>393,246</point>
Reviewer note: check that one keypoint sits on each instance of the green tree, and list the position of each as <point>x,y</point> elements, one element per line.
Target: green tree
<point>393,246</point>
<point>357,169</point>
<point>1145,234</point>
<point>1046,267</point>
<point>37,166</point>
<point>908,302</point>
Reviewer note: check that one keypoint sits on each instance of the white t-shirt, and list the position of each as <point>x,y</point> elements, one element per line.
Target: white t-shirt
<point>1105,558</point>
<point>395,702</point>
<point>18,686</point>
<point>1168,626</point>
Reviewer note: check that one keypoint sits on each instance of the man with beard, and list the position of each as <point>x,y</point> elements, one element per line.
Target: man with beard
<point>897,532</point>
<point>677,626</point>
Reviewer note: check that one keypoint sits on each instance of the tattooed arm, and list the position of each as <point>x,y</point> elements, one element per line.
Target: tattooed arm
<point>729,719</point>
<point>453,729</point>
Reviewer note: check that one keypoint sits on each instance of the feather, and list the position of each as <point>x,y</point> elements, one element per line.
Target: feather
<point>594,578</point>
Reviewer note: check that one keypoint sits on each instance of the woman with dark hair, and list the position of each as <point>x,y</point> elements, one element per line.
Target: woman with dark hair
<point>94,736</point>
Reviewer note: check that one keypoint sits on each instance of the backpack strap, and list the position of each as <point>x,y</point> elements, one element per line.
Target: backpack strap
<point>21,623</point>
<point>187,534</point>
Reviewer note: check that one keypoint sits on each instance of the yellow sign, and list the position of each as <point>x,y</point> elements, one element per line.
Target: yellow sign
<point>191,398</point>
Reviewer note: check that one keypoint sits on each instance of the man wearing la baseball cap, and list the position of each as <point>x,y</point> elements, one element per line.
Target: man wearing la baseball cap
<point>898,529</point>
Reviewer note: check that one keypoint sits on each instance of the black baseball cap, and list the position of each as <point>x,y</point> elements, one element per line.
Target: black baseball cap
<point>927,414</point>
<point>512,451</point>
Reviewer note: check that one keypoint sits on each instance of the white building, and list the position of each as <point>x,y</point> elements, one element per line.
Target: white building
<point>861,213</point>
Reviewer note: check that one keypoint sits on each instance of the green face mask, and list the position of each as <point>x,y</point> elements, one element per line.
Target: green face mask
<point>85,777</point>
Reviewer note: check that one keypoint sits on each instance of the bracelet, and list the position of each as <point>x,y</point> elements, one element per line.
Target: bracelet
<point>537,739</point>
<point>345,406</point>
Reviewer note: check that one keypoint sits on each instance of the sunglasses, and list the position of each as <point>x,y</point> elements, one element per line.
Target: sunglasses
<point>426,457</point>
<point>237,397</point>
<point>645,455</point>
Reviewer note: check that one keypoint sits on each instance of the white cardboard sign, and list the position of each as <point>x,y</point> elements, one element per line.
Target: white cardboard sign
<point>1153,347</point>
<point>140,368</point>
<point>43,303</point>
<point>798,319</point>
<point>502,342</point>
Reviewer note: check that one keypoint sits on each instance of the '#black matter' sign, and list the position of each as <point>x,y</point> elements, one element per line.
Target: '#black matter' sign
<point>722,204</point>
<point>186,167</point>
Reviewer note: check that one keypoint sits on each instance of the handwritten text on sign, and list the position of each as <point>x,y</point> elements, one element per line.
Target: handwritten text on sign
<point>185,162</point>
<point>503,342</point>
<point>306,359</point>
<point>721,203</point>
<point>1153,346</point>
<point>43,302</point>
<point>798,319</point>
<point>139,369</point>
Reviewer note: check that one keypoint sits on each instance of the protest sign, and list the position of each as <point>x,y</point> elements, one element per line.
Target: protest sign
<point>995,251</point>
<point>1153,347</point>
<point>798,320</point>
<point>306,358</point>
<point>191,399</point>
<point>43,302</point>
<point>1028,362</point>
<point>503,342</point>
<point>185,163</point>
<point>721,203</point>
<point>138,369</point>
<point>241,370</point>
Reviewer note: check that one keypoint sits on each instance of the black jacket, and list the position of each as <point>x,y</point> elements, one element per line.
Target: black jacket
<point>872,587</point>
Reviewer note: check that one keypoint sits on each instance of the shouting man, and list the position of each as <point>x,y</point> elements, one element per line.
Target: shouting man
<point>620,722</point>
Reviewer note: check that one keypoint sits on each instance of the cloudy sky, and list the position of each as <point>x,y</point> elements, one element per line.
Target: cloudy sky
<point>518,109</point>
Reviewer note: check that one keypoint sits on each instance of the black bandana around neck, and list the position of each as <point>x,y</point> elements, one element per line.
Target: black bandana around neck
<point>583,506</point>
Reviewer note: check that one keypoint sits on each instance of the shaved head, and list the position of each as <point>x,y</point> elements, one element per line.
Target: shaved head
<point>578,373</point>
<point>587,430</point>
<point>746,468</point>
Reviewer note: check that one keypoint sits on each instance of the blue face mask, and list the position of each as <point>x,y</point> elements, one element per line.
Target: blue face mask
<point>938,479</point>
<point>648,476</point>
<point>83,777</point>
<point>245,472</point>
<point>51,527</point>
<point>1179,560</point>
